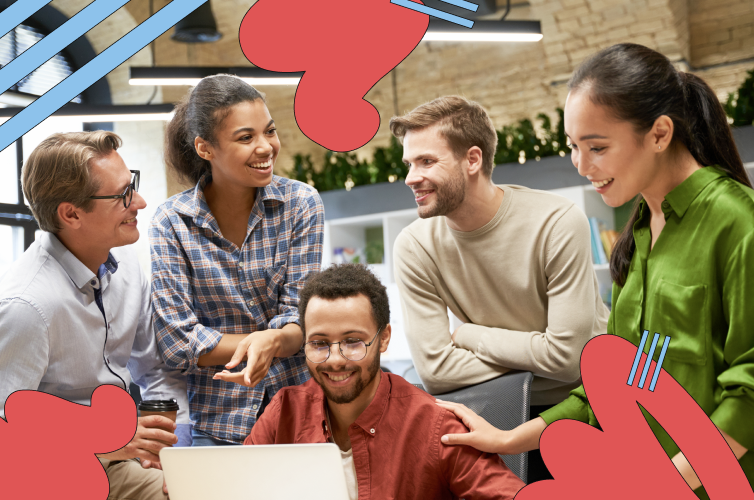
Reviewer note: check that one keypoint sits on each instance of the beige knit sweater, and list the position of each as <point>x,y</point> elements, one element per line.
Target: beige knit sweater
<point>523,284</point>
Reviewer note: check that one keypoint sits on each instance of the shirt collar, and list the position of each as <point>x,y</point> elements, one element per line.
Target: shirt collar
<point>681,197</point>
<point>370,417</point>
<point>195,204</point>
<point>81,275</point>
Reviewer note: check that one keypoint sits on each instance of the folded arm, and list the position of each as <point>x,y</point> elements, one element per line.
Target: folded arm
<point>441,365</point>
<point>574,311</point>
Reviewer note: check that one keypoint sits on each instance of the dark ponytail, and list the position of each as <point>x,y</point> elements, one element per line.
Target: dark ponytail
<point>199,114</point>
<point>638,85</point>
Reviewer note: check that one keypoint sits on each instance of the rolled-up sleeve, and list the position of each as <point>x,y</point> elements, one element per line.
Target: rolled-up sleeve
<point>305,254</point>
<point>182,340</point>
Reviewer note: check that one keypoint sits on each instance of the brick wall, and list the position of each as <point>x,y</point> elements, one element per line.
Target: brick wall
<point>713,38</point>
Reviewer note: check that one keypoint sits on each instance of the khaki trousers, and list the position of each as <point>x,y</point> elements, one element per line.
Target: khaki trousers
<point>129,481</point>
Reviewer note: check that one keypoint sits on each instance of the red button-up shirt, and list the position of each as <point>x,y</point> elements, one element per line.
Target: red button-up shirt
<point>396,444</point>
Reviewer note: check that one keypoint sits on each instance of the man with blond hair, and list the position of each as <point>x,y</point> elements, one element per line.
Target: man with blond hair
<point>74,309</point>
<point>512,263</point>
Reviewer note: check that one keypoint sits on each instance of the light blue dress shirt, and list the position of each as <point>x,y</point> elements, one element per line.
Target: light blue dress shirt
<point>54,337</point>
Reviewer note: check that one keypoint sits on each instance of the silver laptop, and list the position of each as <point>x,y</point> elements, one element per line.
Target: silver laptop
<point>283,471</point>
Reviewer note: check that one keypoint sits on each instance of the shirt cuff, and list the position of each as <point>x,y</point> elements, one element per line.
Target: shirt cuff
<point>280,321</point>
<point>207,339</point>
<point>467,337</point>
<point>183,432</point>
<point>734,416</point>
<point>572,408</point>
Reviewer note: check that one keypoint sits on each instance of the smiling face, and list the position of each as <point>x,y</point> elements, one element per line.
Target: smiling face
<point>245,147</point>
<point>345,381</point>
<point>109,224</point>
<point>618,161</point>
<point>435,175</point>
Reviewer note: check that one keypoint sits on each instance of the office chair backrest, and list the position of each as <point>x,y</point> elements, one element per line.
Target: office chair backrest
<point>504,403</point>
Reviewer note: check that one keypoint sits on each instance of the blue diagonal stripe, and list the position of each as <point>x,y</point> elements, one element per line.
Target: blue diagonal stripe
<point>658,366</point>
<point>108,60</point>
<point>40,52</point>
<point>19,12</point>
<point>433,12</point>
<point>463,4</point>
<point>648,361</point>
<point>637,357</point>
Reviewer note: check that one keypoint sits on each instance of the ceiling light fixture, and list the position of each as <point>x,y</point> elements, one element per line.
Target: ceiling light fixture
<point>170,75</point>
<point>198,27</point>
<point>88,113</point>
<point>484,31</point>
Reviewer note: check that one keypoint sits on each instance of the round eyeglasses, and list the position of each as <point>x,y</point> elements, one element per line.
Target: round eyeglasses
<point>127,195</point>
<point>318,351</point>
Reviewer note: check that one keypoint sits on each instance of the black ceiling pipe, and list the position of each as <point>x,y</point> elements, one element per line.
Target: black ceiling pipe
<point>198,27</point>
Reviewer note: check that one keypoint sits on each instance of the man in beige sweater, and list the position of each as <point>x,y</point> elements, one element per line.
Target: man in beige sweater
<point>512,263</point>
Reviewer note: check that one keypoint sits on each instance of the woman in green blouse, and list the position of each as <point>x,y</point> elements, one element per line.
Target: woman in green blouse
<point>684,265</point>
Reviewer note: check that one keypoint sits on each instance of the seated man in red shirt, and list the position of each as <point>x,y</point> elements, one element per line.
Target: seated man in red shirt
<point>388,431</point>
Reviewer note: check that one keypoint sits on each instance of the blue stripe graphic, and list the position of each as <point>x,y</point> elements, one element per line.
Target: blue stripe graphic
<point>19,12</point>
<point>105,62</point>
<point>43,50</point>
<point>463,4</point>
<point>648,361</point>
<point>433,12</point>
<point>659,363</point>
<point>637,357</point>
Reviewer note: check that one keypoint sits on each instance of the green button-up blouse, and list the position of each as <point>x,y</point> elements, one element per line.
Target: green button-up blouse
<point>697,286</point>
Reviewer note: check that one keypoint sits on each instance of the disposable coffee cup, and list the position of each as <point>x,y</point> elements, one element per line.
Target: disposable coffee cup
<point>163,407</point>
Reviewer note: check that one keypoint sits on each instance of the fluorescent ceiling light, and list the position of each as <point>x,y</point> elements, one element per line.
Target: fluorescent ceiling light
<point>481,37</point>
<point>171,75</point>
<point>100,113</point>
<point>10,98</point>
<point>484,31</point>
<point>193,81</point>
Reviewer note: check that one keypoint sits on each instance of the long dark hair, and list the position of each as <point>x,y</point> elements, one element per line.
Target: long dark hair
<point>638,85</point>
<point>198,115</point>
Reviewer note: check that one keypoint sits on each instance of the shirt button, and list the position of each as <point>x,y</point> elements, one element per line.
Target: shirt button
<point>251,303</point>
<point>665,205</point>
<point>240,264</point>
<point>94,282</point>
<point>254,407</point>
<point>371,430</point>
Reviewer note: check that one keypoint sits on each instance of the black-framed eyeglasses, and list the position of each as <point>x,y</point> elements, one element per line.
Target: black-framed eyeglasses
<point>127,195</point>
<point>318,351</point>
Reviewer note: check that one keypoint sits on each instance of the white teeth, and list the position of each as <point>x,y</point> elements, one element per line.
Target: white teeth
<point>601,183</point>
<point>262,166</point>
<point>338,378</point>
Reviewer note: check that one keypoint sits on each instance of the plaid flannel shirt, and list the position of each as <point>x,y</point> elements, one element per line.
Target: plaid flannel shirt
<point>204,286</point>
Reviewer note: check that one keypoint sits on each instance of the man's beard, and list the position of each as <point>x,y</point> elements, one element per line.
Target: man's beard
<point>448,197</point>
<point>356,389</point>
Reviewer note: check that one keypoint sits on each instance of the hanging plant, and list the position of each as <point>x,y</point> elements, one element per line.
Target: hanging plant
<point>522,142</point>
<point>345,170</point>
<point>516,143</point>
